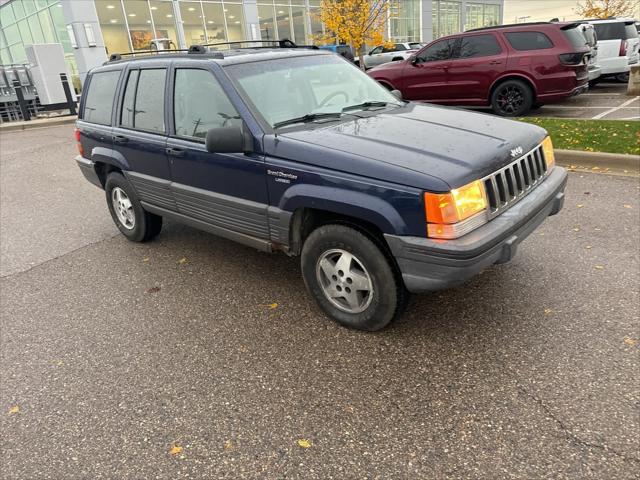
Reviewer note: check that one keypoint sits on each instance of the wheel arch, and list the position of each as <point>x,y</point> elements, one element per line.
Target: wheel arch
<point>513,76</point>
<point>107,161</point>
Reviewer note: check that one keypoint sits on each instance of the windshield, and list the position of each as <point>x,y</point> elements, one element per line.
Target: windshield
<point>291,88</point>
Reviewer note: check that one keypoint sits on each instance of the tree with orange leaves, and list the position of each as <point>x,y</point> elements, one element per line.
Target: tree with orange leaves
<point>607,8</point>
<point>354,22</point>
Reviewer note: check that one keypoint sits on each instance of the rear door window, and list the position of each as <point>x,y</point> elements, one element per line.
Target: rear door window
<point>98,104</point>
<point>577,38</point>
<point>610,30</point>
<point>442,50</point>
<point>143,102</point>
<point>523,41</point>
<point>478,46</point>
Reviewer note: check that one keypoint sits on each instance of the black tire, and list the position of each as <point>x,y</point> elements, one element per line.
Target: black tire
<point>388,295</point>
<point>145,225</point>
<point>623,77</point>
<point>593,83</point>
<point>512,98</point>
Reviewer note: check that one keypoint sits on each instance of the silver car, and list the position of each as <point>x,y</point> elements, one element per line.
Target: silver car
<point>382,54</point>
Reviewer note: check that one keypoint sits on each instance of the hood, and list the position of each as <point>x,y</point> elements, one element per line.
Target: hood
<point>415,145</point>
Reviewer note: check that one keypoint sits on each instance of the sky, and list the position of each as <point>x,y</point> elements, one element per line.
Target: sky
<point>539,10</point>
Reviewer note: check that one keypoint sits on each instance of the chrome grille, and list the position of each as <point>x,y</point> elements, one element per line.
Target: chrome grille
<point>509,184</point>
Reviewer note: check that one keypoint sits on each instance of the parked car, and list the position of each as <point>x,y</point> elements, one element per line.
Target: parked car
<point>618,46</point>
<point>299,151</point>
<point>343,50</point>
<point>383,54</point>
<point>591,39</point>
<point>510,67</point>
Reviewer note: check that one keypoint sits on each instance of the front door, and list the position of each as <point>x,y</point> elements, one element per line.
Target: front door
<point>225,190</point>
<point>425,78</point>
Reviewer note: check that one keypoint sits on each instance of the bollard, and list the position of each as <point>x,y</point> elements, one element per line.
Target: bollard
<point>67,93</point>
<point>24,108</point>
<point>634,81</point>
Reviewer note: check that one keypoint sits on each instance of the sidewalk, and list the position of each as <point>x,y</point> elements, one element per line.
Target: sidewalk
<point>38,122</point>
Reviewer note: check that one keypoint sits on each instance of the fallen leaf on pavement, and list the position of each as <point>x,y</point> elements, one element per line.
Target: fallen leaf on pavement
<point>599,267</point>
<point>228,445</point>
<point>630,341</point>
<point>548,311</point>
<point>145,259</point>
<point>272,306</point>
<point>595,168</point>
<point>580,205</point>
<point>588,247</point>
<point>152,290</point>
<point>627,206</point>
<point>304,443</point>
<point>182,260</point>
<point>15,409</point>
<point>175,450</point>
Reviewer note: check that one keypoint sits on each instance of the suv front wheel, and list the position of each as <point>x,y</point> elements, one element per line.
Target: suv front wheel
<point>351,279</point>
<point>131,219</point>
<point>512,98</point>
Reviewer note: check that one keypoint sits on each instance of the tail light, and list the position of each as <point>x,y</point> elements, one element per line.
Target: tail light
<point>76,133</point>
<point>572,58</point>
<point>623,48</point>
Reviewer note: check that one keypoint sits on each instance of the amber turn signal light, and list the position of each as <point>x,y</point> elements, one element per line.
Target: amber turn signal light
<point>549,156</point>
<point>457,205</point>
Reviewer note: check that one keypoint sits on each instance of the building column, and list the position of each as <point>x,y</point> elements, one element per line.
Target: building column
<point>426,13</point>
<point>177,16</point>
<point>463,15</point>
<point>251,20</point>
<point>77,15</point>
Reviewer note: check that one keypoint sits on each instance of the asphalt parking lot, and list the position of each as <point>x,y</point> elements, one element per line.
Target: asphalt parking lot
<point>172,360</point>
<point>606,101</point>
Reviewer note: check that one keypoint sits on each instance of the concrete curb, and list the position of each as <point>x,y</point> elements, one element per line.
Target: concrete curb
<point>615,161</point>
<point>37,123</point>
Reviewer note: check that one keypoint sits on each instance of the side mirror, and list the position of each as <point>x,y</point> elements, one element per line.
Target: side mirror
<point>397,94</point>
<point>228,140</point>
<point>414,60</point>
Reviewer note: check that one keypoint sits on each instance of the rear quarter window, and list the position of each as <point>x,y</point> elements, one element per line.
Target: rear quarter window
<point>528,40</point>
<point>98,104</point>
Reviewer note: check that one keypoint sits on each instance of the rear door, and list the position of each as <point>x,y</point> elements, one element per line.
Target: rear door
<point>479,60</point>
<point>224,190</point>
<point>610,36</point>
<point>426,77</point>
<point>140,135</point>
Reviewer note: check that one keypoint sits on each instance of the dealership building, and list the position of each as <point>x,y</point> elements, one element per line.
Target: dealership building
<point>90,29</point>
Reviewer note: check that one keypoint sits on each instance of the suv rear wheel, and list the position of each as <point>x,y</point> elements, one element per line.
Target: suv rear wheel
<point>131,219</point>
<point>512,98</point>
<point>351,278</point>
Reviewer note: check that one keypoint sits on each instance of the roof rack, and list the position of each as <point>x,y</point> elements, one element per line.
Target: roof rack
<point>511,25</point>
<point>203,49</point>
<point>283,43</point>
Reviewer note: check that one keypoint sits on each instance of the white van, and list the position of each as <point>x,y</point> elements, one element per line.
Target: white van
<point>618,46</point>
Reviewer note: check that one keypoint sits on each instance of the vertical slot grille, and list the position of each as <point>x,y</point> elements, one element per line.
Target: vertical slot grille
<point>511,183</point>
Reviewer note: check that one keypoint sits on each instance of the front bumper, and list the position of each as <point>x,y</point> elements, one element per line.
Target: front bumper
<point>428,264</point>
<point>88,169</point>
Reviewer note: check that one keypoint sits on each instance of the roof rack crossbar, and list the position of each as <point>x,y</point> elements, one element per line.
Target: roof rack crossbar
<point>282,43</point>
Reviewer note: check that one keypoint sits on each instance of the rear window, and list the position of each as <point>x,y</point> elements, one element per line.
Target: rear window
<point>98,104</point>
<point>610,31</point>
<point>529,40</point>
<point>478,46</point>
<point>576,37</point>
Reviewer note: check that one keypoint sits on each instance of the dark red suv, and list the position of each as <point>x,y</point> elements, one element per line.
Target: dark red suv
<point>511,68</point>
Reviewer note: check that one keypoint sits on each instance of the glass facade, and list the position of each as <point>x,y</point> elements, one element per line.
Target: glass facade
<point>404,20</point>
<point>285,19</point>
<point>481,15</point>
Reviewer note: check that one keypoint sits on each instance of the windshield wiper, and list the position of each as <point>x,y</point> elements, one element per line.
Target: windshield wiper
<point>365,105</point>
<point>309,117</point>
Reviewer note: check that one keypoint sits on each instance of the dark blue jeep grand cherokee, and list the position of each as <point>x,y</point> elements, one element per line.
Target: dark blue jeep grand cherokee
<point>297,150</point>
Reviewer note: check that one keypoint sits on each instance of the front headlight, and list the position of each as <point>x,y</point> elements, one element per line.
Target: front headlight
<point>451,215</point>
<point>549,156</point>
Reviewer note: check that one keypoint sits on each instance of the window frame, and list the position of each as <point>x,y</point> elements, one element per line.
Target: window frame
<point>122,92</point>
<point>172,114</point>
<point>537,32</point>
<point>431,45</point>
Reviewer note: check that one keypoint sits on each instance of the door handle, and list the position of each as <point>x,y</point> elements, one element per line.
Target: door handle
<point>175,152</point>
<point>495,62</point>
<point>120,140</point>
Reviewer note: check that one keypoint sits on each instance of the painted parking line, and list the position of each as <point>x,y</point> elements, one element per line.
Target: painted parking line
<point>604,114</point>
<point>604,94</point>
